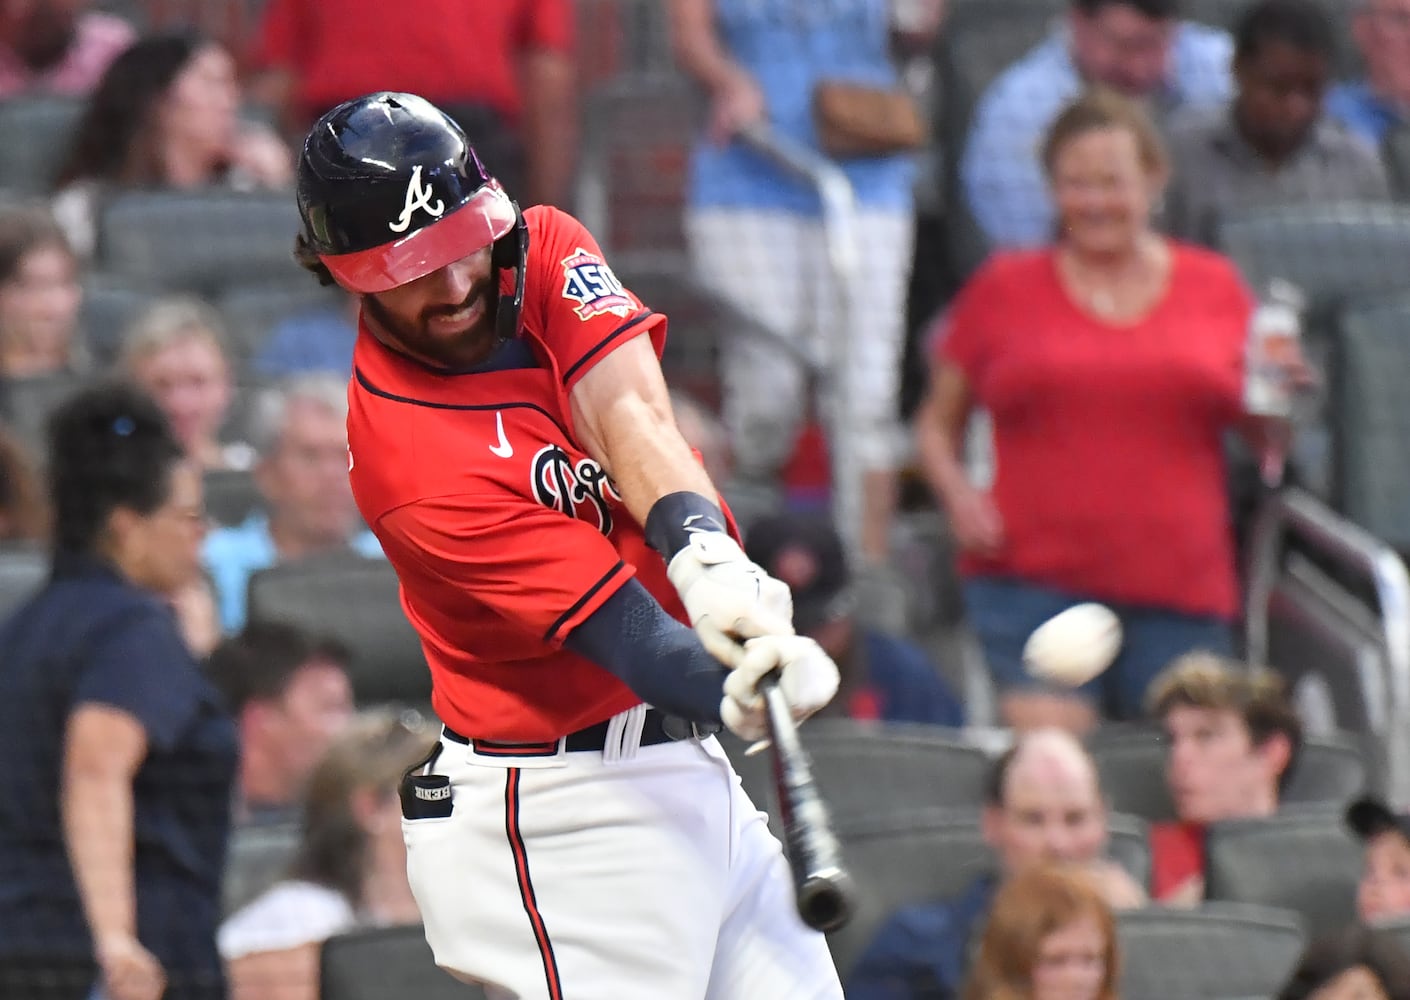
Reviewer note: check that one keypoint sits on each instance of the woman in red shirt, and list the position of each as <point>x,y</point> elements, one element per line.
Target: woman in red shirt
<point>1111,364</point>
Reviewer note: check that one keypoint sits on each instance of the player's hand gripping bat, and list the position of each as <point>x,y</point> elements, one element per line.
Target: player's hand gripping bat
<point>823,890</point>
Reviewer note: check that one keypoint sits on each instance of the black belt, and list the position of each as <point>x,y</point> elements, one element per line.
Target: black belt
<point>658,727</point>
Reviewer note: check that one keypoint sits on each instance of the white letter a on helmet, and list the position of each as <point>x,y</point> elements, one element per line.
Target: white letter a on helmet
<point>418,195</point>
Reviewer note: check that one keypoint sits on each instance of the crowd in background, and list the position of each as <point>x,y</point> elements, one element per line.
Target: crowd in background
<point>1082,379</point>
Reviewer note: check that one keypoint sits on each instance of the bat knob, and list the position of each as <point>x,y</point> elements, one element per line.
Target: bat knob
<point>825,900</point>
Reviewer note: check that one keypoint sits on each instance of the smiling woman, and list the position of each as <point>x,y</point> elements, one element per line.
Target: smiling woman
<point>1110,364</point>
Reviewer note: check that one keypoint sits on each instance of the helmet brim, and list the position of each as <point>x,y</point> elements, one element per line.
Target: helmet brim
<point>476,224</point>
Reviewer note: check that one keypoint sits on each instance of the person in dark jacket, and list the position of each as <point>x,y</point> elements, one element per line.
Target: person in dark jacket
<point>119,757</point>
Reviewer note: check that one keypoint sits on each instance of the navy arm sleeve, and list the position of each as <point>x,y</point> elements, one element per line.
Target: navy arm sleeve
<point>660,659</point>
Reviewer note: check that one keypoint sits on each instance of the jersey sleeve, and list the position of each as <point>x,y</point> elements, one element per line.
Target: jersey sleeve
<point>530,565</point>
<point>574,300</point>
<point>141,666</point>
<point>965,340</point>
<point>277,41</point>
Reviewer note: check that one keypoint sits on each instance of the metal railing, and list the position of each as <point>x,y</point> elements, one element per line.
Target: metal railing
<point>828,366</point>
<point>1295,513</point>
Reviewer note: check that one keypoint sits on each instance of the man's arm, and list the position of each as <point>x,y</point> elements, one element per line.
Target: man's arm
<point>550,129</point>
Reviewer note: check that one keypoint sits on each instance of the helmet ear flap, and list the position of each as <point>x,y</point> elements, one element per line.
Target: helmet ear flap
<point>511,252</point>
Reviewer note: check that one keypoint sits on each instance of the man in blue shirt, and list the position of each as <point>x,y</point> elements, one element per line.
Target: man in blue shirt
<point>884,677</point>
<point>1372,107</point>
<point>1135,46</point>
<point>300,435</point>
<point>1043,805</point>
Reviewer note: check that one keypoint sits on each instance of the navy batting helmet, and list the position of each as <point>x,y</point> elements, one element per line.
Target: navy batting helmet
<point>390,190</point>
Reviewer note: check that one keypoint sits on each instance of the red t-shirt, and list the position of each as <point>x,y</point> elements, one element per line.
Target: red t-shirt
<point>1177,855</point>
<point>443,50</point>
<point>504,533</point>
<point>1107,438</point>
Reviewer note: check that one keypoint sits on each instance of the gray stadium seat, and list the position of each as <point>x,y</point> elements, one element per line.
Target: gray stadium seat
<point>1395,150</point>
<point>1398,931</point>
<point>109,307</point>
<point>1131,762</point>
<point>1334,253</point>
<point>259,856</point>
<point>199,242</point>
<point>1218,950</point>
<point>1301,860</point>
<point>231,495</point>
<point>23,570</point>
<point>1372,422</point>
<point>356,601</point>
<point>932,855</point>
<point>37,131</point>
<point>386,962</point>
<point>27,402</point>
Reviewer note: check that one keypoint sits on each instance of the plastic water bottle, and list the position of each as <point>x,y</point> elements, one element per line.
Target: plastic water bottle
<point>1273,335</point>
<point>1274,332</point>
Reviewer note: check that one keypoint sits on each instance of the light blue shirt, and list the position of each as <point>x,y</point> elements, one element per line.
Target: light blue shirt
<point>233,554</point>
<point>1364,113</point>
<point>788,46</point>
<point>1003,178</point>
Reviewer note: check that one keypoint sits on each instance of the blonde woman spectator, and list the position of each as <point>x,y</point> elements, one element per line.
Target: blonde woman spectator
<point>175,350</point>
<point>1050,936</point>
<point>40,296</point>
<point>350,870</point>
<point>166,115</point>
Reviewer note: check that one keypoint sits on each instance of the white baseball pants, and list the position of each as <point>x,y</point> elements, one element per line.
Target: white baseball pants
<point>639,873</point>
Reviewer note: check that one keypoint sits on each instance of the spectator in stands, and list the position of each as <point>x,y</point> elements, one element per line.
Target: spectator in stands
<point>1043,806</point>
<point>290,696</point>
<point>40,297</point>
<point>1352,964</point>
<point>166,115</point>
<point>300,436</point>
<point>504,69</point>
<point>1383,894</point>
<point>350,869</point>
<point>883,676</point>
<point>176,351</point>
<point>1110,364</point>
<point>1232,739</point>
<point>24,515</point>
<point>1381,102</point>
<point>1050,936</point>
<point>57,47</point>
<point>315,340</point>
<point>1272,145</point>
<point>1137,47</point>
<point>756,238</point>
<point>115,795</point>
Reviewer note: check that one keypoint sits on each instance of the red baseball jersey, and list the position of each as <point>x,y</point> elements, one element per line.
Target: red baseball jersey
<point>504,533</point>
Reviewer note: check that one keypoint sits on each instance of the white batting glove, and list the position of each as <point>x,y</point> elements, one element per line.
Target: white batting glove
<point>728,597</point>
<point>807,678</point>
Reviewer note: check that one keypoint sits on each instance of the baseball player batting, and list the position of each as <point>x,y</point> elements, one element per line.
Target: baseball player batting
<point>578,833</point>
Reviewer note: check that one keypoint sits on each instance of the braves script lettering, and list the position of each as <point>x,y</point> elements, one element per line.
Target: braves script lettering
<point>581,490</point>
<point>418,195</point>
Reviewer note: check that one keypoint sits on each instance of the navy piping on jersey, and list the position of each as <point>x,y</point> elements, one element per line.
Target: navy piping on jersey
<point>635,321</point>
<point>362,380</point>
<point>587,596</point>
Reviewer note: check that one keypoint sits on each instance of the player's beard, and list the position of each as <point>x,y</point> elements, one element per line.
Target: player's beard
<point>462,349</point>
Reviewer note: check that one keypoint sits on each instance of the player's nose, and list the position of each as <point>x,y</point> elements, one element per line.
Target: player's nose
<point>456,280</point>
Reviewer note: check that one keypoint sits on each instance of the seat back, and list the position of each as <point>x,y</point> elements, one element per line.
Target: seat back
<point>356,601</point>
<point>27,402</point>
<point>1302,859</point>
<point>38,131</point>
<point>258,857</point>
<point>200,242</point>
<point>1217,950</point>
<point>1131,762</point>
<point>1371,419</point>
<point>383,962</point>
<point>231,495</point>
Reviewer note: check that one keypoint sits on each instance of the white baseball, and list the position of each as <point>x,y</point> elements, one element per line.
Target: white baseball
<point>1074,646</point>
